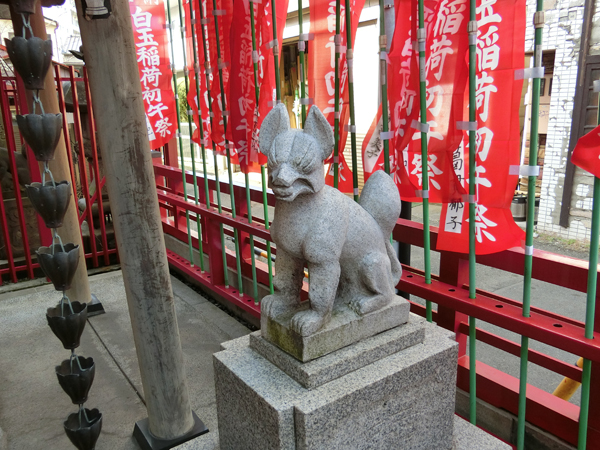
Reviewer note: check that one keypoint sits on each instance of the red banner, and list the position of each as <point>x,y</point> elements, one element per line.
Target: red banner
<point>198,104</point>
<point>446,73</point>
<point>321,73</point>
<point>150,37</point>
<point>586,153</point>
<point>500,50</point>
<point>219,67</point>
<point>246,117</point>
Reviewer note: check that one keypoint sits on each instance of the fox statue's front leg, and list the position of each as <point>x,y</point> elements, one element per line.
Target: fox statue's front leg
<point>289,273</point>
<point>324,278</point>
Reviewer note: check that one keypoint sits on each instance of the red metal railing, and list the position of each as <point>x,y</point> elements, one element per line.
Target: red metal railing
<point>448,290</point>
<point>22,230</point>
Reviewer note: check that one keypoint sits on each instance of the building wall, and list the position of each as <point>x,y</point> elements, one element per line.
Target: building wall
<point>562,33</point>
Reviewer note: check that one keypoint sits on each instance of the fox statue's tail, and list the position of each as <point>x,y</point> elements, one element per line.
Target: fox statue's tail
<point>381,199</point>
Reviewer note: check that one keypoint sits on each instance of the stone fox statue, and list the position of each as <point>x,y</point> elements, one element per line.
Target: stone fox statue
<point>345,244</point>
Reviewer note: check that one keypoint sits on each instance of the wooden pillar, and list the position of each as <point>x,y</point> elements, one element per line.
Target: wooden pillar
<point>59,166</point>
<point>110,57</point>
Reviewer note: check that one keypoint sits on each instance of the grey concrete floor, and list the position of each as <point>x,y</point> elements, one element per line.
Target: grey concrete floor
<point>32,404</point>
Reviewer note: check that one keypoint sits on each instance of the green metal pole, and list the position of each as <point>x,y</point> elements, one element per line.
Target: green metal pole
<point>301,70</point>
<point>424,157</point>
<point>266,214</point>
<point>192,144</point>
<point>383,82</point>
<point>350,62</point>
<point>180,142</point>
<point>228,152</point>
<point>276,52</point>
<point>249,203</point>
<point>199,101</point>
<point>590,310</point>
<point>215,162</point>
<point>472,161</point>
<point>336,108</point>
<point>262,169</point>
<point>533,149</point>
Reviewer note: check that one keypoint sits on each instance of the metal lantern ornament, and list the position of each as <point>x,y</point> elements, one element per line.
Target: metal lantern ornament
<point>31,58</point>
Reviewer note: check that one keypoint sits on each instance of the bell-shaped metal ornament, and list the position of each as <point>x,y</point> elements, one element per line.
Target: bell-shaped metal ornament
<point>59,265</point>
<point>24,6</point>
<point>68,324</point>
<point>42,133</point>
<point>83,428</point>
<point>76,376</point>
<point>50,201</point>
<point>31,58</point>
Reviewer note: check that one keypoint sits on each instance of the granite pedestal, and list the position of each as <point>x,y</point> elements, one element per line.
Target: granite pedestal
<point>393,390</point>
<point>346,327</point>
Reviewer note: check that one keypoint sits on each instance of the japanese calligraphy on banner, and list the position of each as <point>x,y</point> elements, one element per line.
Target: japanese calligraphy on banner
<point>150,39</point>
<point>321,73</point>
<point>446,76</point>
<point>246,115</point>
<point>500,50</point>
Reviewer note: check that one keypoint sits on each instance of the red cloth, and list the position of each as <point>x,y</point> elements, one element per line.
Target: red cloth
<point>586,153</point>
<point>246,118</point>
<point>321,74</point>
<point>500,50</point>
<point>150,37</point>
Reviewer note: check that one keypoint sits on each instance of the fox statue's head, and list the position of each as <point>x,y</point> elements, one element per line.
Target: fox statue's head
<point>295,157</point>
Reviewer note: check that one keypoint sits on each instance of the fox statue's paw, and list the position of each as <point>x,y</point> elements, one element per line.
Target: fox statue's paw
<point>365,305</point>
<point>308,322</point>
<point>272,304</point>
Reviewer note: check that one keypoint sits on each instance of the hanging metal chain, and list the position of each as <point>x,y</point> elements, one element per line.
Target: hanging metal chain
<point>38,101</point>
<point>26,25</point>
<point>47,171</point>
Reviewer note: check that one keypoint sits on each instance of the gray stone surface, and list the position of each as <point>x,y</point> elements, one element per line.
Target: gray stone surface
<point>344,244</point>
<point>345,328</point>
<point>348,359</point>
<point>32,404</point>
<point>468,436</point>
<point>405,400</point>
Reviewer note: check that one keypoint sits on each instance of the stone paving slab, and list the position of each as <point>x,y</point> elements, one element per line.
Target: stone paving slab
<point>32,404</point>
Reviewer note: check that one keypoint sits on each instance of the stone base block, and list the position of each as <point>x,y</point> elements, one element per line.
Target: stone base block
<point>402,400</point>
<point>345,328</point>
<point>348,359</point>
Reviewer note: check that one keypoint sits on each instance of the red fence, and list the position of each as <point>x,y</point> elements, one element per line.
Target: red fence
<point>22,230</point>
<point>448,290</point>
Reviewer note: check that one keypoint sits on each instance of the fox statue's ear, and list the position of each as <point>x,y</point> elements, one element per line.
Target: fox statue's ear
<point>318,127</point>
<point>276,122</point>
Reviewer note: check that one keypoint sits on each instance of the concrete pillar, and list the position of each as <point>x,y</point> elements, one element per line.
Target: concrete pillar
<point>110,58</point>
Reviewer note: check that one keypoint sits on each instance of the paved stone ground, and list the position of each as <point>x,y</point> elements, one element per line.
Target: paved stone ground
<point>32,404</point>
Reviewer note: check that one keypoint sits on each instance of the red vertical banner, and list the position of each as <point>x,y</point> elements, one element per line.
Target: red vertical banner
<point>197,102</point>
<point>321,72</point>
<point>445,72</point>
<point>223,15</point>
<point>150,37</point>
<point>446,78</point>
<point>246,115</point>
<point>500,51</point>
